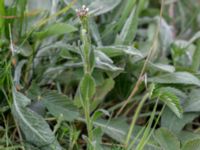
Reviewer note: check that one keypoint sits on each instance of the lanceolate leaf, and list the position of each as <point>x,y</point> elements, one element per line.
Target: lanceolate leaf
<point>176,78</point>
<point>120,50</point>
<point>33,126</point>
<point>99,7</point>
<point>87,87</point>
<point>55,29</point>
<point>59,104</point>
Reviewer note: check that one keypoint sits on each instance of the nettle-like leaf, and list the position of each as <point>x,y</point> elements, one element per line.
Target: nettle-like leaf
<point>176,78</point>
<point>170,99</point>
<point>166,139</point>
<point>34,128</point>
<point>59,104</point>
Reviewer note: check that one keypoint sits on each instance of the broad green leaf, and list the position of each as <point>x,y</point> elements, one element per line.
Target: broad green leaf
<point>120,50</point>
<point>176,78</point>
<point>186,136</point>
<point>162,67</point>
<point>104,62</point>
<point>33,126</point>
<point>170,121</point>
<point>117,129</point>
<point>55,29</point>
<point>87,87</point>
<point>167,140</point>
<point>59,104</point>
<point>98,7</point>
<point>192,145</point>
<point>192,104</point>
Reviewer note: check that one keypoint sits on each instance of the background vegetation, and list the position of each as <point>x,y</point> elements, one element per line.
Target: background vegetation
<point>122,76</point>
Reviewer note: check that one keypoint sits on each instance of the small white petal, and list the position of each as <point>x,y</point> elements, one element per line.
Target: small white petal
<point>87,9</point>
<point>83,6</point>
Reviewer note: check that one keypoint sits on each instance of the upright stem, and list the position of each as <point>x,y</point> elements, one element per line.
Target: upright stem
<point>88,60</point>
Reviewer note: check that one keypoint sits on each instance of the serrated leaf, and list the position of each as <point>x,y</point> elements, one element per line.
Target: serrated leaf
<point>170,99</point>
<point>58,104</point>
<point>176,78</point>
<point>33,126</point>
<point>167,140</point>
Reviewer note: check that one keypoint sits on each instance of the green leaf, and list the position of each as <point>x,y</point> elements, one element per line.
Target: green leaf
<point>176,78</point>
<point>58,104</point>
<point>120,50</point>
<point>167,140</point>
<point>87,87</point>
<point>129,6</point>
<point>186,136</point>
<point>98,7</point>
<point>104,62</point>
<point>129,30</point>
<point>18,71</point>
<point>192,145</point>
<point>103,89</point>
<point>33,126</point>
<point>170,99</point>
<point>117,129</point>
<point>192,104</point>
<point>170,121</point>
<point>196,58</point>
<point>55,29</point>
<point>162,67</point>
